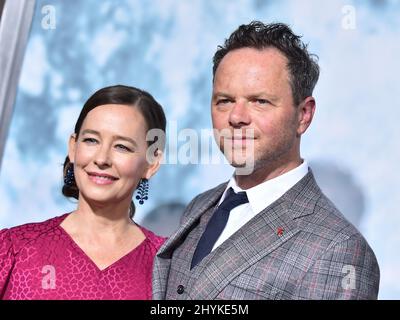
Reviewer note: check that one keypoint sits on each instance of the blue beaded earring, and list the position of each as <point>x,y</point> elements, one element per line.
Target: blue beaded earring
<point>143,190</point>
<point>69,178</point>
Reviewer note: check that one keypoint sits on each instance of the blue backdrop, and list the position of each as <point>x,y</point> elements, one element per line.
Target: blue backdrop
<point>166,47</point>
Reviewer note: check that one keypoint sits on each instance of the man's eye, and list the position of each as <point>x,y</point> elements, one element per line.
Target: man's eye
<point>90,140</point>
<point>223,101</point>
<point>262,101</point>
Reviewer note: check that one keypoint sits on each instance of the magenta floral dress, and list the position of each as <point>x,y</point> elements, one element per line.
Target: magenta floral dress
<point>41,261</point>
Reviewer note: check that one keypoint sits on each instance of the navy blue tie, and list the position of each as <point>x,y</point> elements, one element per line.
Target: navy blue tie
<point>217,224</point>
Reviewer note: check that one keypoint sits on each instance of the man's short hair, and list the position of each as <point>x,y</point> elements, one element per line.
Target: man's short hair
<point>302,66</point>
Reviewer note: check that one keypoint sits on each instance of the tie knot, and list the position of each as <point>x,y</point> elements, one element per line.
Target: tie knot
<point>233,200</point>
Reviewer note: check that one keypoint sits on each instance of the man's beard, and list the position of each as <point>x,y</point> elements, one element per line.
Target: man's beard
<point>247,160</point>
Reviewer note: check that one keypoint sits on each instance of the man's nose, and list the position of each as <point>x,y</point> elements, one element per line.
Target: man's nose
<point>239,115</point>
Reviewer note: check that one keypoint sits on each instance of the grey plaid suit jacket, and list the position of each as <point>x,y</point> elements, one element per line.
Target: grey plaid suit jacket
<point>299,247</point>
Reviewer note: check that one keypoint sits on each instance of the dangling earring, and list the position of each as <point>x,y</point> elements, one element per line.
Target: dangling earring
<point>143,190</point>
<point>69,178</point>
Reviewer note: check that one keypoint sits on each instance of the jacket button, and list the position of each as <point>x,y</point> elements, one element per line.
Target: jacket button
<point>180,289</point>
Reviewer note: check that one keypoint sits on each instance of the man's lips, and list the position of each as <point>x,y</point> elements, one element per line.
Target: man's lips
<point>239,139</point>
<point>239,142</point>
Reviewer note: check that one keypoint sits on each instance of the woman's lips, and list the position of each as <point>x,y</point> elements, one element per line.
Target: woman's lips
<point>101,178</point>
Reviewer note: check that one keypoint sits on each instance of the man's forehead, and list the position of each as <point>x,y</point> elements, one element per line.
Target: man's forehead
<point>257,55</point>
<point>252,62</point>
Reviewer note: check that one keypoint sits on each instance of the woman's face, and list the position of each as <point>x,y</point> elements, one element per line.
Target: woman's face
<point>109,155</point>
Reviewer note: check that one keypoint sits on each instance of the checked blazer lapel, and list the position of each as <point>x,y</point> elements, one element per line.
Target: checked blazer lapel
<point>259,237</point>
<point>195,210</point>
<point>192,219</point>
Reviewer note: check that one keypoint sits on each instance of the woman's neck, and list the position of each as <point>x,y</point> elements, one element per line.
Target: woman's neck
<point>104,220</point>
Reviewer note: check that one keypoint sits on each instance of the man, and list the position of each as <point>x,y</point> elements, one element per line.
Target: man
<point>270,233</point>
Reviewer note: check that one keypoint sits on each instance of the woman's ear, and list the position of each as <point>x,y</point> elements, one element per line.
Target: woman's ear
<point>71,147</point>
<point>154,165</point>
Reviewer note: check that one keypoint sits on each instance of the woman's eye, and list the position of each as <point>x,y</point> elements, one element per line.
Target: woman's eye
<point>90,140</point>
<point>122,147</point>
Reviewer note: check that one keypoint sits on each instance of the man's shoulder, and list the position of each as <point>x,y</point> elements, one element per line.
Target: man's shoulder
<point>329,223</point>
<point>203,198</point>
<point>317,217</point>
<point>219,189</point>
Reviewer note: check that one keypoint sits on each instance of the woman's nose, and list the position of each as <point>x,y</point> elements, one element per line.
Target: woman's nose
<point>103,158</point>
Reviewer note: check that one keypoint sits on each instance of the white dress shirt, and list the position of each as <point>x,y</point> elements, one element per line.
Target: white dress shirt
<point>260,197</point>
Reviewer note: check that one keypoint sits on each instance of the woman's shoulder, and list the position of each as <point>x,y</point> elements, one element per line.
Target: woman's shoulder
<point>24,233</point>
<point>154,239</point>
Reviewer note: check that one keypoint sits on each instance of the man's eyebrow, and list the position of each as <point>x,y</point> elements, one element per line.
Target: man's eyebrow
<point>257,95</point>
<point>221,95</point>
<point>261,95</point>
<point>116,137</point>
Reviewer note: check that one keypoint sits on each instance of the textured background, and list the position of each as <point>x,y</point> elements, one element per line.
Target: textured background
<point>166,47</point>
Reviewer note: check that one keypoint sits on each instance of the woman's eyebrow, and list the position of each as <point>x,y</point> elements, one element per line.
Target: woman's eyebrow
<point>115,137</point>
<point>126,139</point>
<point>91,132</point>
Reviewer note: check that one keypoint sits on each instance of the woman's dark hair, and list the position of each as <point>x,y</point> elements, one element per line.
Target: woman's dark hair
<point>150,109</point>
<point>302,66</point>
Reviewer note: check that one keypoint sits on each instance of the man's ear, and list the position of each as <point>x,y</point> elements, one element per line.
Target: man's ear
<point>305,114</point>
<point>154,165</point>
<point>71,147</point>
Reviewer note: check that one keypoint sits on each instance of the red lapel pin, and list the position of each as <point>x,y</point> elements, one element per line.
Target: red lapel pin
<point>279,232</point>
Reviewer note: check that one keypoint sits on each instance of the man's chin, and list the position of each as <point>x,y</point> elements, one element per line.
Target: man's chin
<point>242,166</point>
<point>238,164</point>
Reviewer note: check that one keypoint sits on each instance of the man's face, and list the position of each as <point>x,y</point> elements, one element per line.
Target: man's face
<point>252,109</point>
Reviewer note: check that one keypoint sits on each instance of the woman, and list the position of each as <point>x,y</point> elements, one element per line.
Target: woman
<point>96,251</point>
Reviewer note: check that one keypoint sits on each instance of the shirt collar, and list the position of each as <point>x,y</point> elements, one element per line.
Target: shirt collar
<point>269,190</point>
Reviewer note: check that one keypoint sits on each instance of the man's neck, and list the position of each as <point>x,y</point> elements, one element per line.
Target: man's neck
<point>264,173</point>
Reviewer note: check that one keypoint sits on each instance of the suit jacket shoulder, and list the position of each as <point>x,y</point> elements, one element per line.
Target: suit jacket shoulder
<point>202,198</point>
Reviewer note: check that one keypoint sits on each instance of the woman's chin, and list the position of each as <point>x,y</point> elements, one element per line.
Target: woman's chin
<point>100,198</point>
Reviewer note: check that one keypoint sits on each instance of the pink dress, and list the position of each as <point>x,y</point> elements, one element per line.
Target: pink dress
<point>41,261</point>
